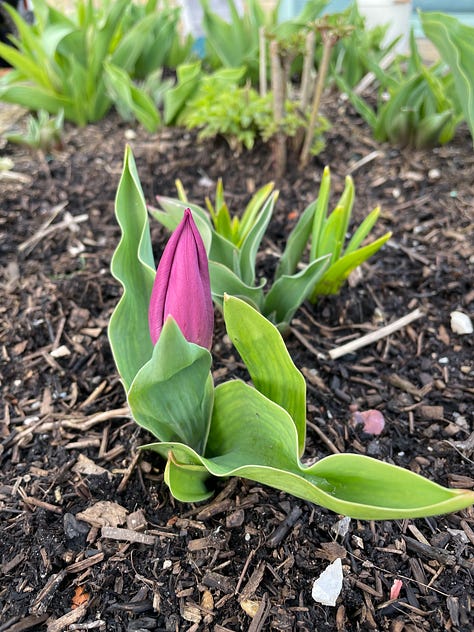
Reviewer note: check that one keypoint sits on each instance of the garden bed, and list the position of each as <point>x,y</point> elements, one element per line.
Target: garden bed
<point>247,559</point>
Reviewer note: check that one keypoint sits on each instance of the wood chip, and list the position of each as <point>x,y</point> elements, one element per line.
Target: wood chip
<point>221,582</point>
<point>61,624</point>
<point>127,535</point>
<point>104,513</point>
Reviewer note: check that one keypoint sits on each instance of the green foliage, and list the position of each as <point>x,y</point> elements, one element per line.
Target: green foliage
<point>419,111</point>
<point>232,227</point>
<point>232,249</point>
<point>236,43</point>
<point>188,78</point>
<point>218,106</point>
<point>42,132</point>
<point>257,432</point>
<point>78,64</point>
<point>354,54</point>
<point>234,244</point>
<point>455,43</point>
<point>163,45</point>
<point>326,236</point>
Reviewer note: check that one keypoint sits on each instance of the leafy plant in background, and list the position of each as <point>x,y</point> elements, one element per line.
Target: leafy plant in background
<point>419,111</point>
<point>70,63</point>
<point>43,132</point>
<point>164,46</point>
<point>220,107</point>
<point>234,429</point>
<point>354,54</point>
<point>455,43</point>
<point>233,247</point>
<point>236,43</point>
<point>326,235</point>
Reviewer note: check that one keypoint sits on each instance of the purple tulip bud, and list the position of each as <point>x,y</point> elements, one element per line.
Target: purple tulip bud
<point>182,288</point>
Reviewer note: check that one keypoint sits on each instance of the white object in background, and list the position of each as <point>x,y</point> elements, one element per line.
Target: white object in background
<point>395,13</point>
<point>192,14</point>
<point>328,586</point>
<point>461,323</point>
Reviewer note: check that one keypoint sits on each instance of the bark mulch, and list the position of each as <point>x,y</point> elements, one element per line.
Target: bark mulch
<point>90,537</point>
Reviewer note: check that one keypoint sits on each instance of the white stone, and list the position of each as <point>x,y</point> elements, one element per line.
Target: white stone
<point>328,586</point>
<point>461,323</point>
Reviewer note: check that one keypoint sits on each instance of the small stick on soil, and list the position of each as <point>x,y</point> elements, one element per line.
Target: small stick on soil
<point>40,604</point>
<point>27,623</point>
<point>66,620</point>
<point>374,336</point>
<point>30,500</point>
<point>284,527</point>
<point>261,615</point>
<point>364,161</point>
<point>323,437</point>
<point>128,473</point>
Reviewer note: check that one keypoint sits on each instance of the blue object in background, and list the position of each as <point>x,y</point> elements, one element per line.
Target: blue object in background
<point>463,10</point>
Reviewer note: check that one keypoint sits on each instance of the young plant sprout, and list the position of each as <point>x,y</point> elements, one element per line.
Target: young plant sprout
<point>234,429</point>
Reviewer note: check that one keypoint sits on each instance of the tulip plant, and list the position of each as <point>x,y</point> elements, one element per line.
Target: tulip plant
<point>160,333</point>
<point>234,245</point>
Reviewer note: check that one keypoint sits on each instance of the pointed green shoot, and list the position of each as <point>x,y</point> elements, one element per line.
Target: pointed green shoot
<point>289,292</point>
<point>320,214</point>
<point>336,275</point>
<point>296,243</point>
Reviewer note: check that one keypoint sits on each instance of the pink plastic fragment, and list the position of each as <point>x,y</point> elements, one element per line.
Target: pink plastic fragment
<point>372,420</point>
<point>395,589</point>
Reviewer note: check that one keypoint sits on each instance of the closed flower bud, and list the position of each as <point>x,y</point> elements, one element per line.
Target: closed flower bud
<point>182,287</point>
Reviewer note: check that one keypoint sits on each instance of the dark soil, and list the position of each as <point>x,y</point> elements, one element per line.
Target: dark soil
<point>68,443</point>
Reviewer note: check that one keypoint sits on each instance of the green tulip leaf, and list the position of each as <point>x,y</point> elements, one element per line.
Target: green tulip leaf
<point>266,357</point>
<point>290,291</point>
<point>224,281</point>
<point>254,438</point>
<point>172,394</point>
<point>455,43</point>
<point>296,243</point>
<point>133,266</point>
<point>339,271</point>
<point>248,251</point>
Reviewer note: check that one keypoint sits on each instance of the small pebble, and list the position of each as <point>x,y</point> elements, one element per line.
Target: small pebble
<point>461,323</point>
<point>328,586</point>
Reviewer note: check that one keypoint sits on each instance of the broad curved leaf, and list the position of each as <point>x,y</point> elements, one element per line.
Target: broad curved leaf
<point>255,438</point>
<point>290,291</point>
<point>267,360</point>
<point>172,394</point>
<point>133,266</point>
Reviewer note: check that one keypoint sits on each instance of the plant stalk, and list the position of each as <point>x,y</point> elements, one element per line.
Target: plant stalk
<point>262,62</point>
<point>278,89</point>
<point>328,43</point>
